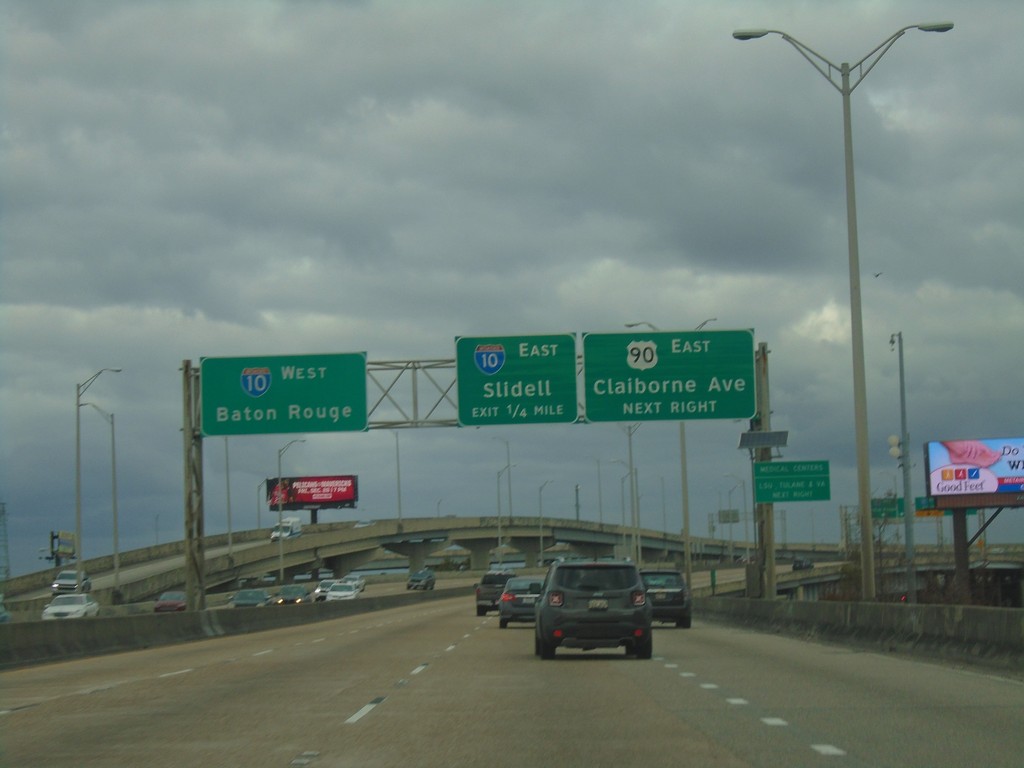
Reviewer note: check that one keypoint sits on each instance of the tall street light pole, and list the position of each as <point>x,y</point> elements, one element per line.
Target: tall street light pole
<point>503,470</point>
<point>508,466</point>
<point>280,510</point>
<point>828,70</point>
<point>600,500</point>
<point>113,492</point>
<point>79,391</point>
<point>746,529</point>
<point>540,529</point>
<point>398,480</point>
<point>684,479</point>
<point>898,449</point>
<point>259,503</point>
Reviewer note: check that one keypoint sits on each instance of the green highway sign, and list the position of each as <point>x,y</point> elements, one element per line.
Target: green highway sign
<point>887,507</point>
<point>777,481</point>
<point>516,379</point>
<point>283,394</point>
<point>669,376</point>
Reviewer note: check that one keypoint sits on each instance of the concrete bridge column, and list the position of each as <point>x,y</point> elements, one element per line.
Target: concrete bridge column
<point>416,552</point>
<point>479,554</point>
<point>529,549</point>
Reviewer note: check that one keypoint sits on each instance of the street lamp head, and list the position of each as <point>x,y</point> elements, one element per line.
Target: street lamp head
<point>939,26</point>
<point>749,34</point>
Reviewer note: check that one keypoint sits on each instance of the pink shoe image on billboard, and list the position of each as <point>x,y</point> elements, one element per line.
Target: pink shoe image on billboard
<point>975,466</point>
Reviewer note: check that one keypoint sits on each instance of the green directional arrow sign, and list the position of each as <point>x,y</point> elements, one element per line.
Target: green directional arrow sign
<point>669,376</point>
<point>283,394</point>
<point>516,379</point>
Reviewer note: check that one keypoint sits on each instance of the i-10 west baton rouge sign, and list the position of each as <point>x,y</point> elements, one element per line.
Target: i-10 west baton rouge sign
<point>283,394</point>
<point>516,379</point>
<point>669,376</point>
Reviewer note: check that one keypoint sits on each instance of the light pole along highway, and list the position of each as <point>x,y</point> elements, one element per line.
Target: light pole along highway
<point>280,507</point>
<point>828,70</point>
<point>79,391</point>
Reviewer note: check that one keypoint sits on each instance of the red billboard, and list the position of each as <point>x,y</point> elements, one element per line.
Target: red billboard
<point>327,491</point>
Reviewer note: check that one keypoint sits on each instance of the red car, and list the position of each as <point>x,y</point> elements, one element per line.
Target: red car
<point>169,602</point>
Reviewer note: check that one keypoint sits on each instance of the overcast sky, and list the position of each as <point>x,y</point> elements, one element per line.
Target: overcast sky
<point>199,179</point>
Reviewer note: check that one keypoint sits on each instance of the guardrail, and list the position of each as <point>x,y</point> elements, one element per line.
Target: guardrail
<point>979,635</point>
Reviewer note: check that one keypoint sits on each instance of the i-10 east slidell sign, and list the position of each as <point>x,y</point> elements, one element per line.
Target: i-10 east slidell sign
<point>516,379</point>
<point>283,394</point>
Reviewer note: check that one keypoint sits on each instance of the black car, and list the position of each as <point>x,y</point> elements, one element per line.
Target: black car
<point>292,594</point>
<point>802,564</point>
<point>669,595</point>
<point>422,579</point>
<point>592,604</point>
<point>517,601</point>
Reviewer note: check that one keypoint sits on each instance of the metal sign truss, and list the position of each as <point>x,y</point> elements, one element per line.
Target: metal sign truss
<point>412,393</point>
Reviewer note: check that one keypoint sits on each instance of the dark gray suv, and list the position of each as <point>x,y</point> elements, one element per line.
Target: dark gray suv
<point>592,604</point>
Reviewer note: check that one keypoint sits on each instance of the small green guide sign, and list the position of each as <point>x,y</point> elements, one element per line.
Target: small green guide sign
<point>283,394</point>
<point>669,376</point>
<point>516,379</point>
<point>777,481</point>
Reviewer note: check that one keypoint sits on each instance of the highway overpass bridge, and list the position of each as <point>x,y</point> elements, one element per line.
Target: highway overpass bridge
<point>344,547</point>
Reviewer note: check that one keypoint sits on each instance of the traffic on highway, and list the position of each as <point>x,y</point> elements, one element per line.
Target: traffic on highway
<point>434,684</point>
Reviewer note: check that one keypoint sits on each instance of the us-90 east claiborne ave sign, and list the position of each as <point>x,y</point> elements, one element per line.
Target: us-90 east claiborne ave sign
<point>283,394</point>
<point>669,376</point>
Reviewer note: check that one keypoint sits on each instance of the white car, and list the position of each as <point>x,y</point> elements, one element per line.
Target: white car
<point>320,593</point>
<point>67,581</point>
<point>343,590</point>
<point>71,607</point>
<point>358,581</point>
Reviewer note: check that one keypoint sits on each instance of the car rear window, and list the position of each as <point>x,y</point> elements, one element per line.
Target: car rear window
<point>495,578</point>
<point>593,579</point>
<point>663,579</point>
<point>518,585</point>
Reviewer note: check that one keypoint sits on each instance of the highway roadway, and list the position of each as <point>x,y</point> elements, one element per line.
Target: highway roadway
<point>434,685</point>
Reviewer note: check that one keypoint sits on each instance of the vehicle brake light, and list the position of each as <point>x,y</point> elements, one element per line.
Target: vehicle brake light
<point>639,598</point>
<point>556,599</point>
<point>507,597</point>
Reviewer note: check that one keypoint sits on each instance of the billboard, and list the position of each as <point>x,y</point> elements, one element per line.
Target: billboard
<point>329,491</point>
<point>991,466</point>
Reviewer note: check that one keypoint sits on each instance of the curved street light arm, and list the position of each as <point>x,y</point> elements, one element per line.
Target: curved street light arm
<point>828,69</point>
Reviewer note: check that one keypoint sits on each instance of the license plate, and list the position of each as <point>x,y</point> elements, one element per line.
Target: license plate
<point>528,600</point>
<point>661,597</point>
<point>598,605</point>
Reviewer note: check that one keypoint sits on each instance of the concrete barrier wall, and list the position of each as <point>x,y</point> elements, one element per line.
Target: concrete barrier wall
<point>38,642</point>
<point>991,636</point>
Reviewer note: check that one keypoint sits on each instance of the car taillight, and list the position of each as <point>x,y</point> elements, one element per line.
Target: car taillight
<point>639,598</point>
<point>556,599</point>
<point>507,597</point>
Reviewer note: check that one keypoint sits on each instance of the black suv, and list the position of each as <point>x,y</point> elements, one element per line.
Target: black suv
<point>669,596</point>
<point>593,604</point>
<point>488,590</point>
